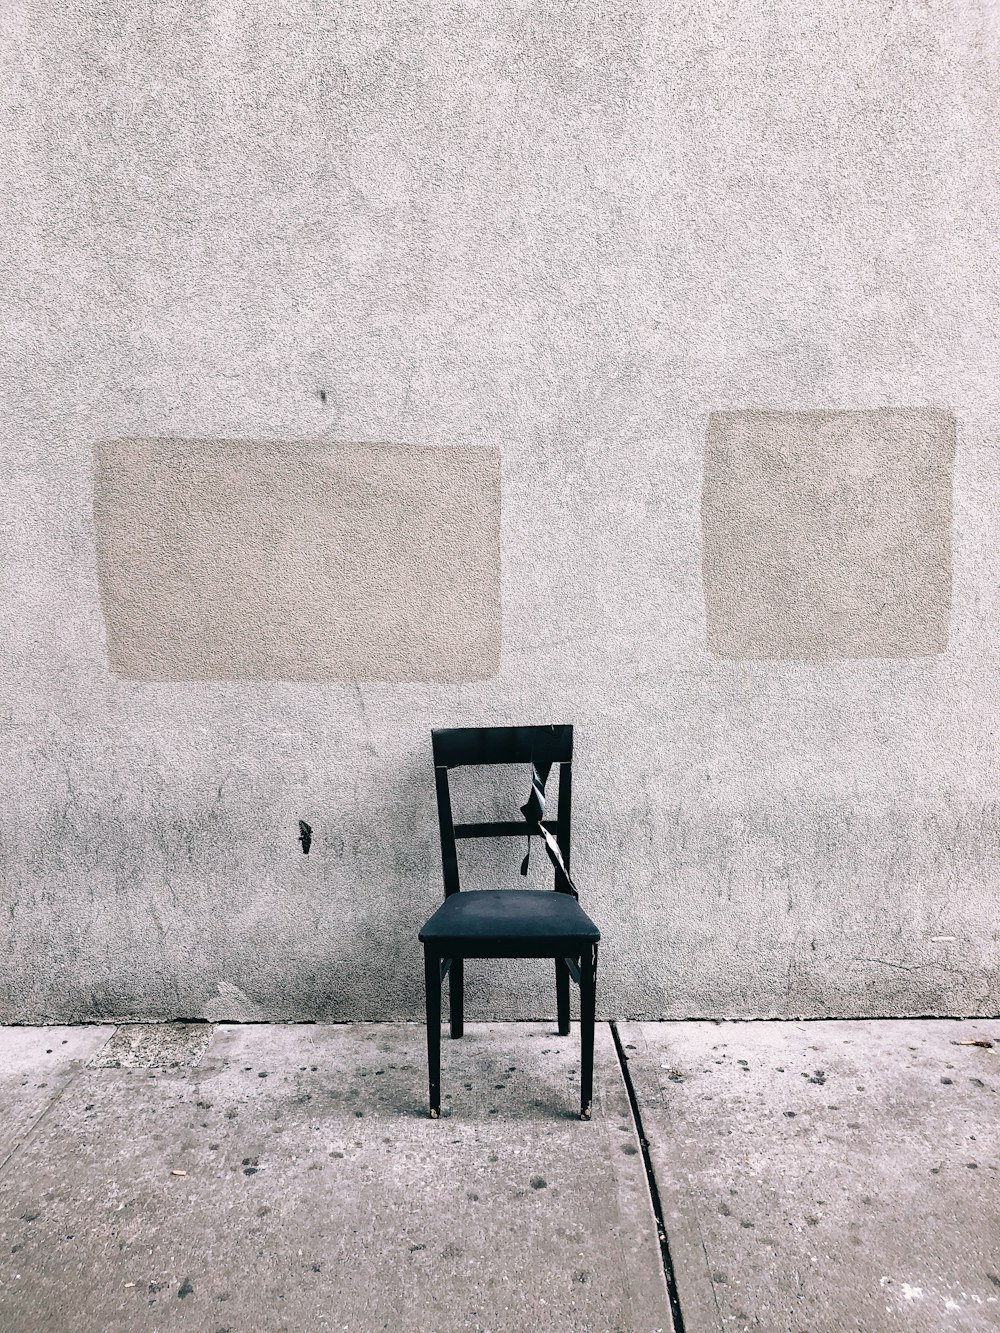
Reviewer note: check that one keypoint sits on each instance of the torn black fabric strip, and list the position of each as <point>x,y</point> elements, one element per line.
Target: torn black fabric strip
<point>533,811</point>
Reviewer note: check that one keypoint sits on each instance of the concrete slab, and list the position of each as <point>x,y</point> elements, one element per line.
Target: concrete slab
<point>826,1176</point>
<point>36,1065</point>
<point>317,1195</point>
<point>155,1046</point>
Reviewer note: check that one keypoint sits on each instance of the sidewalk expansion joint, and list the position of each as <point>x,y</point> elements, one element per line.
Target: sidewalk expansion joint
<point>654,1189</point>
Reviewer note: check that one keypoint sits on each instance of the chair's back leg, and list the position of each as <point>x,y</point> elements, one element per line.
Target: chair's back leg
<point>588,994</point>
<point>562,996</point>
<point>456,996</point>
<point>432,982</point>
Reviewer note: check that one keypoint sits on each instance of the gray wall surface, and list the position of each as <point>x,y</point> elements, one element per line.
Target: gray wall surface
<point>621,246</point>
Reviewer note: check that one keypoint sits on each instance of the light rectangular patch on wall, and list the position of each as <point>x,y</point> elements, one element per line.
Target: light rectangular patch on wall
<point>827,534</point>
<point>238,560</point>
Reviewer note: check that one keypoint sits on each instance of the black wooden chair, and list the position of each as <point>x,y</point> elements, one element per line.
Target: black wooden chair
<point>509,923</point>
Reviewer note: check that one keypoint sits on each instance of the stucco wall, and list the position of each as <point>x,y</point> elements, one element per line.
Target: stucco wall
<point>574,234</point>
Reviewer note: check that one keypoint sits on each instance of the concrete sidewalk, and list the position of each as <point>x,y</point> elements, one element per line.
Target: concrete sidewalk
<point>826,1176</point>
<point>813,1177</point>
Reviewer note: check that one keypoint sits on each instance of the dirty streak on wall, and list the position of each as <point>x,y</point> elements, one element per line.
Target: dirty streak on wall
<point>716,287</point>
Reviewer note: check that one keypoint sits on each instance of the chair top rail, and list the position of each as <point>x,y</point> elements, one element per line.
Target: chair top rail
<point>455,747</point>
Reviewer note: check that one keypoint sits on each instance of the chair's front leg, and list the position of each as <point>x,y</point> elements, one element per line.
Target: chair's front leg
<point>588,996</point>
<point>456,996</point>
<point>562,996</point>
<point>432,982</point>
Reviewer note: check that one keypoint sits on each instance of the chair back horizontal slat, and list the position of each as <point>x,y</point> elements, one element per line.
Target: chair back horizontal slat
<point>456,746</point>
<point>504,829</point>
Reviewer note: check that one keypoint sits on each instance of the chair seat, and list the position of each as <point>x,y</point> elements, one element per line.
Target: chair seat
<point>525,923</point>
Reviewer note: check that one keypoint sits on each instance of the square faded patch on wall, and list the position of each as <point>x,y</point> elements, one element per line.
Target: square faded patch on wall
<point>237,560</point>
<point>827,535</point>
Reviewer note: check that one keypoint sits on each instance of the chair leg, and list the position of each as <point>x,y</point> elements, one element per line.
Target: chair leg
<point>432,981</point>
<point>456,996</point>
<point>588,993</point>
<point>562,996</point>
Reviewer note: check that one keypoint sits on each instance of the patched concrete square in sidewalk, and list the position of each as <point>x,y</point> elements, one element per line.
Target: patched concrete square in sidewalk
<point>155,1046</point>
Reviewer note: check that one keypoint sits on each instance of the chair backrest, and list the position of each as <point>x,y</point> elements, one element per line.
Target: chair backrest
<point>540,747</point>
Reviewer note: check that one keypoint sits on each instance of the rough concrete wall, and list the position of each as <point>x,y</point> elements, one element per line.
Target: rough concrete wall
<point>570,233</point>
